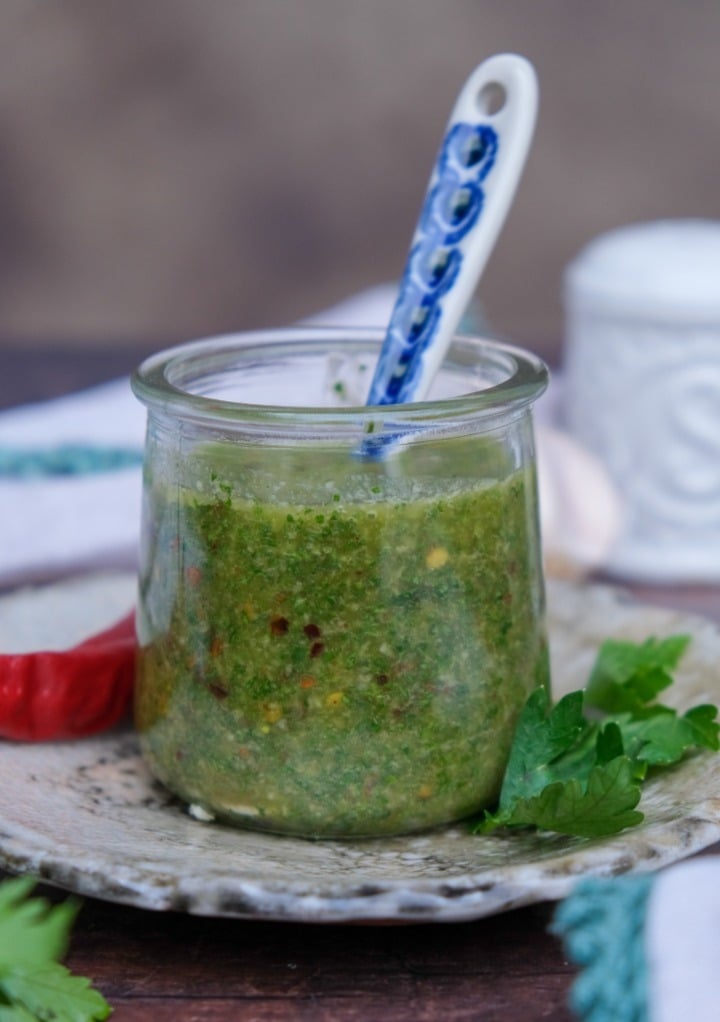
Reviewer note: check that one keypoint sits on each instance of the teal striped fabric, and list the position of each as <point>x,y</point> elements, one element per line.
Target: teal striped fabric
<point>65,460</point>
<point>602,925</point>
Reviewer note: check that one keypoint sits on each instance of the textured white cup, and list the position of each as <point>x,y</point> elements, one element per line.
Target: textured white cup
<point>642,355</point>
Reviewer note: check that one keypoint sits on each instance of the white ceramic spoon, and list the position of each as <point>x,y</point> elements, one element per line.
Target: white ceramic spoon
<point>470,191</point>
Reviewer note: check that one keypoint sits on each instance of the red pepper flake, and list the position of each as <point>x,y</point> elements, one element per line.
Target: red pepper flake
<point>369,783</point>
<point>307,681</point>
<point>216,646</point>
<point>317,648</point>
<point>312,631</point>
<point>218,690</point>
<point>279,625</point>
<point>244,752</point>
<point>193,575</point>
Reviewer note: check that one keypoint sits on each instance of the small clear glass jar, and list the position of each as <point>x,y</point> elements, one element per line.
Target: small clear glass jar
<point>341,607</point>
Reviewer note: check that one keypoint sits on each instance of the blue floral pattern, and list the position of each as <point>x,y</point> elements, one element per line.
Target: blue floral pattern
<point>452,207</point>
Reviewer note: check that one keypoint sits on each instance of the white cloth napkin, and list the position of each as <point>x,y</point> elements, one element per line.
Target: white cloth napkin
<point>56,525</point>
<point>682,944</point>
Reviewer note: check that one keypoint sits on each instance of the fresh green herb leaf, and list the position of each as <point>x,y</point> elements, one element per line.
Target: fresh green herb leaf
<point>541,736</point>
<point>15,1013</point>
<point>610,743</point>
<point>50,991</point>
<point>706,729</point>
<point>30,931</point>
<point>657,736</point>
<point>628,675</point>
<point>576,767</point>
<point>602,803</point>
<point>33,985</point>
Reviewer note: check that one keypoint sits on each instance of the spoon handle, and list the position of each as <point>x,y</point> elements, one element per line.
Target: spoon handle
<point>472,185</point>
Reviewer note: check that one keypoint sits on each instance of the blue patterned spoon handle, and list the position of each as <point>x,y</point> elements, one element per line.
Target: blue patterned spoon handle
<point>470,191</point>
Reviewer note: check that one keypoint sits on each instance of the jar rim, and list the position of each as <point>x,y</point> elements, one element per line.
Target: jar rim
<point>157,381</point>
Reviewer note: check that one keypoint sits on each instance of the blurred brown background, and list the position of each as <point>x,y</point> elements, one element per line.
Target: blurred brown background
<point>173,168</point>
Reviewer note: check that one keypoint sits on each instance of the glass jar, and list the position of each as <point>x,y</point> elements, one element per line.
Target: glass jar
<point>341,607</point>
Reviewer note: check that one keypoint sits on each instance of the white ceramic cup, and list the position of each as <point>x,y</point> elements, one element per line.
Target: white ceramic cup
<point>642,355</point>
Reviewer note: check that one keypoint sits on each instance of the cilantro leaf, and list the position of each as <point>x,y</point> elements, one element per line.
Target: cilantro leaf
<point>590,790</point>
<point>31,932</point>
<point>541,736</point>
<point>50,992</point>
<point>658,736</point>
<point>628,675</point>
<point>604,803</point>
<point>576,767</point>
<point>15,1013</point>
<point>706,729</point>
<point>610,742</point>
<point>34,987</point>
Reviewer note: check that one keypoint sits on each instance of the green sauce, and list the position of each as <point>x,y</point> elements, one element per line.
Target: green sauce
<point>334,649</point>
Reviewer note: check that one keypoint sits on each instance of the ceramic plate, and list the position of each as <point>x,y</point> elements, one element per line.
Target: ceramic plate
<point>87,816</point>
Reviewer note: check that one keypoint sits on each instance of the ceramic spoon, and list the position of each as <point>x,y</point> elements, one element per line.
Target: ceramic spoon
<point>470,191</point>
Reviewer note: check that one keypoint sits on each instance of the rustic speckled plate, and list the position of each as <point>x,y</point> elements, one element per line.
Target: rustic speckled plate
<point>88,817</point>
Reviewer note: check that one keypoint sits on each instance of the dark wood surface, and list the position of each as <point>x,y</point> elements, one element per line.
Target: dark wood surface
<point>168,966</point>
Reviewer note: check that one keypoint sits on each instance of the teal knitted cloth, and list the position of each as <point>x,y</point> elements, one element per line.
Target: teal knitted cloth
<point>65,460</point>
<point>602,925</point>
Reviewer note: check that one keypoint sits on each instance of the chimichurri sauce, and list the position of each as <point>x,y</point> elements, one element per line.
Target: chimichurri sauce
<point>350,664</point>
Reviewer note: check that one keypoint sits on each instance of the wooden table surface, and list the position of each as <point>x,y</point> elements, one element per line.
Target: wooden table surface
<point>163,966</point>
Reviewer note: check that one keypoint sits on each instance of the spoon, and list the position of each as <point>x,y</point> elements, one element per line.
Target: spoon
<point>472,185</point>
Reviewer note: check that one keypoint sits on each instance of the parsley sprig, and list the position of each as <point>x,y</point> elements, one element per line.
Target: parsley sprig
<point>34,986</point>
<point>577,767</point>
